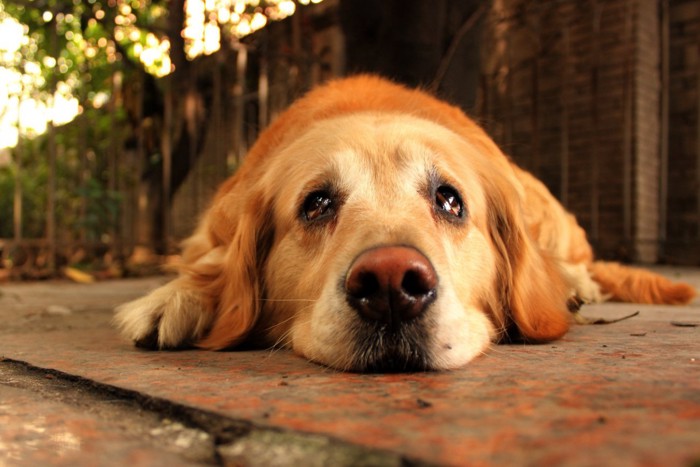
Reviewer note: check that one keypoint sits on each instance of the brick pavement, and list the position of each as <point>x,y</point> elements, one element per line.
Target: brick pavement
<point>73,392</point>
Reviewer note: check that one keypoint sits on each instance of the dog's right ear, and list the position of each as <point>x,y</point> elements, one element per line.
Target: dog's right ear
<point>214,302</point>
<point>235,286</point>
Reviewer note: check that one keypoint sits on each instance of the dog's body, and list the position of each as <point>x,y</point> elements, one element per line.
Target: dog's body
<point>372,227</point>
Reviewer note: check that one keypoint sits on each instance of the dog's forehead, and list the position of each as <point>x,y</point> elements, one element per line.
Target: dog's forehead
<point>371,144</point>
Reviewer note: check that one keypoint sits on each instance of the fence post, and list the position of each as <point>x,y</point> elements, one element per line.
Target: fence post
<point>51,185</point>
<point>17,202</point>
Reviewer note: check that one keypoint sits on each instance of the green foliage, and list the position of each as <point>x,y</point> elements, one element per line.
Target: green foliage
<point>7,186</point>
<point>83,47</point>
<point>80,36</point>
<point>101,210</point>
<point>32,177</point>
<point>84,203</point>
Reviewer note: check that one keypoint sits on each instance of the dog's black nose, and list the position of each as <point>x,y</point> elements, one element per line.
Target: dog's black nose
<point>391,284</point>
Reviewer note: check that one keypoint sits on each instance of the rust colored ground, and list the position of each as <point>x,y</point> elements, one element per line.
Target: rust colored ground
<point>73,392</point>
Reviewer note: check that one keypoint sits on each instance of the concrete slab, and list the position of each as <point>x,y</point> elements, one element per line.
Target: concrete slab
<point>621,394</point>
<point>36,431</point>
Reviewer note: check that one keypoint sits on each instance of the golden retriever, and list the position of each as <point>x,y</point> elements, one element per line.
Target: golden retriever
<point>376,228</point>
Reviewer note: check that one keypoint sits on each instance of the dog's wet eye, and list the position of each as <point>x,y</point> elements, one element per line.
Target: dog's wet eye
<point>447,201</point>
<point>317,205</point>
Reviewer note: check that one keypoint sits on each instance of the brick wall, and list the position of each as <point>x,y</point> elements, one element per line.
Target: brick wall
<point>683,204</point>
<point>573,92</point>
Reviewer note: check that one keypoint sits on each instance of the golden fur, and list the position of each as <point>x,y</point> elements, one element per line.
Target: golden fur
<point>257,271</point>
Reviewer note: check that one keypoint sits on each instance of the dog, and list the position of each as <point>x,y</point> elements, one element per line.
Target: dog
<point>376,228</point>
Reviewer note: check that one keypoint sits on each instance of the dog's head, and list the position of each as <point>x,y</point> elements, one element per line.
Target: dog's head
<point>375,228</point>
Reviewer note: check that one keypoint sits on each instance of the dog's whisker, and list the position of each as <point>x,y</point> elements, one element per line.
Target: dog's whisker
<point>281,323</point>
<point>281,341</point>
<point>491,349</point>
<point>292,300</point>
<point>285,339</point>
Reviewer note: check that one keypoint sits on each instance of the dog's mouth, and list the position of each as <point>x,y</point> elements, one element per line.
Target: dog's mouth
<point>391,288</point>
<point>382,348</point>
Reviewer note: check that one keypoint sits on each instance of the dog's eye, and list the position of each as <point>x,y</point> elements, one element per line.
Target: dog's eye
<point>447,201</point>
<point>317,205</point>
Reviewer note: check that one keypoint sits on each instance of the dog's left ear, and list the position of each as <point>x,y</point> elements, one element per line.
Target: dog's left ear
<point>533,293</point>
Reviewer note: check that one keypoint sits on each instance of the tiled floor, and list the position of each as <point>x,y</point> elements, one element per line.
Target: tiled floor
<point>619,394</point>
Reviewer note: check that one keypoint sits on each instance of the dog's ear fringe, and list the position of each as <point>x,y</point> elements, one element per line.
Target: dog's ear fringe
<point>227,270</point>
<point>538,301</point>
<point>237,288</point>
<point>532,292</point>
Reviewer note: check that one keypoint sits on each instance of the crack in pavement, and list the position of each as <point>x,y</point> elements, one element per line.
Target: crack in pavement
<point>198,436</point>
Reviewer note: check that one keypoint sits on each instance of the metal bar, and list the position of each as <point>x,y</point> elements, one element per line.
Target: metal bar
<point>192,118</point>
<point>263,85</point>
<point>17,202</point>
<point>239,110</point>
<point>664,123</point>
<point>595,145</point>
<point>509,96</point>
<point>697,158</point>
<point>564,132</point>
<point>627,147</point>
<point>166,149</point>
<point>535,114</point>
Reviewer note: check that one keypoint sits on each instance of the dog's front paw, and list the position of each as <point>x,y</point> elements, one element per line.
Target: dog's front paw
<point>140,321</point>
<point>169,317</point>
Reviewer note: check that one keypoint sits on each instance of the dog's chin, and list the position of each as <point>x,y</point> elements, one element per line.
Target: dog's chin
<point>380,348</point>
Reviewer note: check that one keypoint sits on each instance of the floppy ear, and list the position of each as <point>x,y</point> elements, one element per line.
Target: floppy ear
<point>213,303</point>
<point>236,286</point>
<point>533,291</point>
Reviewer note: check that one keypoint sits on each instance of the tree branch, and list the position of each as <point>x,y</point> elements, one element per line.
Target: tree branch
<point>449,55</point>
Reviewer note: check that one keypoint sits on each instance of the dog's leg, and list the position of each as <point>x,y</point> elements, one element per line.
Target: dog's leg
<point>171,316</point>
<point>582,284</point>
<point>181,312</point>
